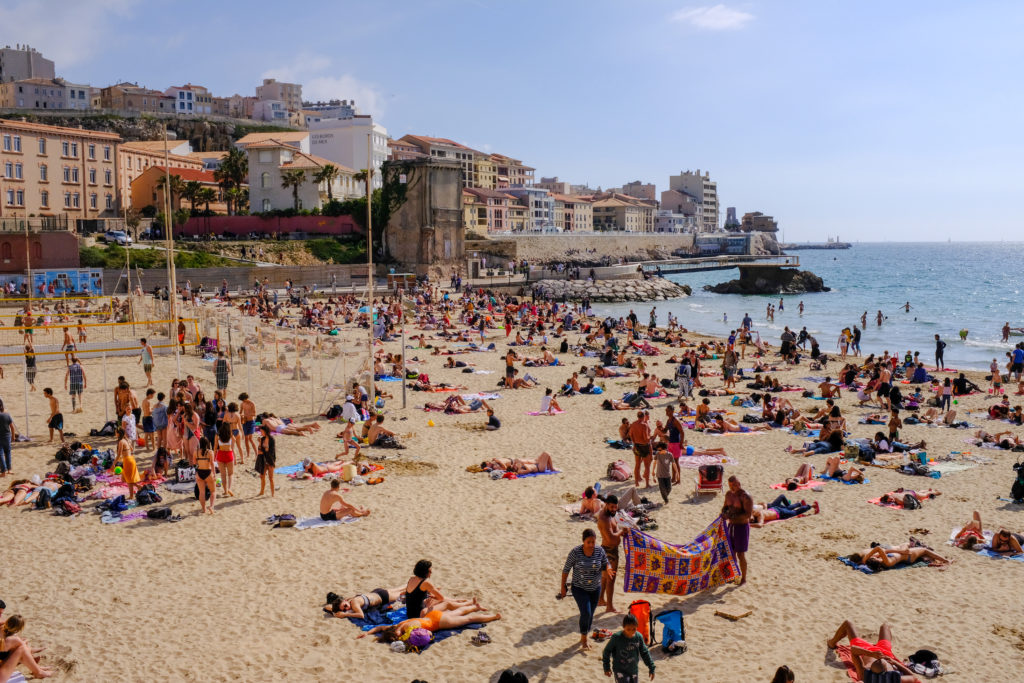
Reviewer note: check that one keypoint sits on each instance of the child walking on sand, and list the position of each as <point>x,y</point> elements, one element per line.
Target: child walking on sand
<point>623,653</point>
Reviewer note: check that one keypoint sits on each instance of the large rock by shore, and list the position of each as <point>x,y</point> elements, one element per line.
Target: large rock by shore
<point>774,281</point>
<point>653,289</point>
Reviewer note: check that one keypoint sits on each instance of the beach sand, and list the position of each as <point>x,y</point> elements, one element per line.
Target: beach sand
<point>226,598</point>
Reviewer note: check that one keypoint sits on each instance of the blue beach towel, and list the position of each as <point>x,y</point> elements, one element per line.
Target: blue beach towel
<point>379,617</point>
<point>864,568</point>
<point>841,481</point>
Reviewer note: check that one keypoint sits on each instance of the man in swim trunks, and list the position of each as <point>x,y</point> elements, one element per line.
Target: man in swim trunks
<point>640,435</point>
<point>56,420</point>
<point>333,507</point>
<point>874,662</point>
<point>146,358</point>
<point>611,537</point>
<point>737,510</point>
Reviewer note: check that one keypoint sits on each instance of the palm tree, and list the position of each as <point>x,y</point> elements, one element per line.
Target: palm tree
<point>205,196</point>
<point>232,173</point>
<point>294,179</point>
<point>176,187</point>
<point>191,191</point>
<point>364,176</point>
<point>327,174</point>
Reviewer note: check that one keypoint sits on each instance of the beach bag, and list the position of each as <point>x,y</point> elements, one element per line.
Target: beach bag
<point>62,469</point>
<point>184,472</point>
<point>43,499</point>
<point>147,496</point>
<point>619,471</point>
<point>852,450</point>
<point>159,513</point>
<point>641,609</point>
<point>63,453</point>
<point>282,521</point>
<point>911,503</point>
<point>672,630</point>
<point>333,412</point>
<point>67,508</point>
<point>418,639</point>
<point>66,490</point>
<point>1017,489</point>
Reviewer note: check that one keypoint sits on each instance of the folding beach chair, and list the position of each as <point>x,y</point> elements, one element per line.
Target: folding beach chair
<point>708,480</point>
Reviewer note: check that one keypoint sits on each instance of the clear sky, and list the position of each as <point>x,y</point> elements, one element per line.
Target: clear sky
<point>872,120</point>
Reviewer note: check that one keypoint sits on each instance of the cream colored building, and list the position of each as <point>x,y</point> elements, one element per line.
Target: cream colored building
<point>573,214</point>
<point>474,213</point>
<point>53,171</point>
<point>288,93</point>
<point>621,212</point>
<point>270,159</point>
<point>485,172</point>
<point>133,97</point>
<point>134,158</point>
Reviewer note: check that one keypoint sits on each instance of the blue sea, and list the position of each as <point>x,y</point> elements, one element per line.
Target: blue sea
<point>950,286</point>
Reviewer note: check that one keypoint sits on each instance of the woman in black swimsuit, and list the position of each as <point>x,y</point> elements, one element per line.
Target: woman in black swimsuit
<point>421,596</point>
<point>356,607</point>
<point>266,459</point>
<point>204,475</point>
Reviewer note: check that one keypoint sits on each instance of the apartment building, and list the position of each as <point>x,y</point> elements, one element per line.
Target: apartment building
<point>133,97</point>
<point>57,171</point>
<point>639,190</point>
<point>270,159</point>
<point>758,222</point>
<point>298,139</point>
<point>45,93</point>
<point>274,111</point>
<point>540,206</point>
<point>190,99</point>
<point>701,190</point>
<point>613,211</point>
<point>22,62</point>
<point>573,214</point>
<point>443,148</point>
<point>403,151</point>
<point>512,172</point>
<point>485,172</point>
<point>147,188</point>
<point>288,93</point>
<point>474,213</point>
<point>554,185</point>
<point>492,209</point>
<point>351,142</point>
<point>135,158</point>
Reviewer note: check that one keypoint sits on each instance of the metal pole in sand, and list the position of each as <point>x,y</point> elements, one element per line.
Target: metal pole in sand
<point>106,408</point>
<point>26,406</point>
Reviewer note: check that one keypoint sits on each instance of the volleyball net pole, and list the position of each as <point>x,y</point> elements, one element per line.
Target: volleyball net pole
<point>27,435</point>
<point>106,407</point>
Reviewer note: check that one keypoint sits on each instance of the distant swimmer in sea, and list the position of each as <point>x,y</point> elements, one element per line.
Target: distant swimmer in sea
<point>864,319</point>
<point>879,318</point>
<point>906,307</point>
<point>801,308</point>
<point>963,334</point>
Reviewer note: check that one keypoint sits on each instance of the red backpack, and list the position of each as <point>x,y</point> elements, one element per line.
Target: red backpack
<point>641,609</point>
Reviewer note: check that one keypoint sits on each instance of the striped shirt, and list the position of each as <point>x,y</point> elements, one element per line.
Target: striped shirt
<point>586,571</point>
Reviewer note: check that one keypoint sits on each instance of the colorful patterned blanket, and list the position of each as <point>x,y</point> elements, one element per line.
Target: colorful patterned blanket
<point>654,566</point>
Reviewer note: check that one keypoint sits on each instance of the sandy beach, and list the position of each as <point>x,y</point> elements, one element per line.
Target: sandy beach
<point>226,598</point>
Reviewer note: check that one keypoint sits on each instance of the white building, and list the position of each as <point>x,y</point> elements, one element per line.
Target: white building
<point>669,221</point>
<point>76,96</point>
<point>540,206</point>
<point>702,190</point>
<point>191,99</point>
<point>346,141</point>
<point>275,111</point>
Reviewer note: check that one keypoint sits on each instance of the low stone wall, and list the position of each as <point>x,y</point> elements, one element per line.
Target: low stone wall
<point>241,278</point>
<point>582,246</point>
<point>653,289</point>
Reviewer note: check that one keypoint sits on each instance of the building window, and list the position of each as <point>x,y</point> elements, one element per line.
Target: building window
<point>110,201</point>
<point>67,174</point>
<point>20,197</point>
<point>92,151</point>
<point>42,172</point>
<point>6,250</point>
<point>44,198</point>
<point>264,180</point>
<point>75,200</point>
<point>7,143</point>
<point>67,199</point>
<point>8,170</point>
<point>18,171</point>
<point>65,148</point>
<point>92,200</point>
<point>107,176</point>
<point>92,176</point>
<point>10,197</point>
<point>42,145</point>
<point>266,205</point>
<point>106,152</point>
<point>74,149</point>
<point>17,143</point>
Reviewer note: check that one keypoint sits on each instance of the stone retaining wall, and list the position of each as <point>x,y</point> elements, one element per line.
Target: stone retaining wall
<point>653,289</point>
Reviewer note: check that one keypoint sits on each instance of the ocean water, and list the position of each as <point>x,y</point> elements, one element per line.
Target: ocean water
<point>950,286</point>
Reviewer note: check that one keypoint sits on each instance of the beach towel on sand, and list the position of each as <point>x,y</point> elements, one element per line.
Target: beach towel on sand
<point>557,412</point>
<point>867,570</point>
<point>984,551</point>
<point>379,617</point>
<point>842,481</point>
<point>655,566</point>
<point>799,487</point>
<point>316,522</point>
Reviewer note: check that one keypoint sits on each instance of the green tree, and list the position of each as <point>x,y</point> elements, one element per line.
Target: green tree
<point>328,173</point>
<point>293,179</point>
<point>191,192</point>
<point>205,196</point>
<point>176,186</point>
<point>232,173</point>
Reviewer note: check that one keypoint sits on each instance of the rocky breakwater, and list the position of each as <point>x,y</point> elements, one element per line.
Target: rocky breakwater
<point>771,281</point>
<point>653,289</point>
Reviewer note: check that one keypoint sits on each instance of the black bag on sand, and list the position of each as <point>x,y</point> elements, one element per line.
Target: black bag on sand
<point>159,513</point>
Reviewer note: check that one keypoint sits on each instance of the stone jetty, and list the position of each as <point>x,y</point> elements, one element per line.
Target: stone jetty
<point>651,289</point>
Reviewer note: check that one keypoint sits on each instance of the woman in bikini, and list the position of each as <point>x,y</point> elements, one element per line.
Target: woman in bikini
<point>205,470</point>
<point>278,426</point>
<point>434,620</point>
<point>226,458</point>
<point>234,421</point>
<point>188,430</point>
<point>356,607</point>
<point>15,652</point>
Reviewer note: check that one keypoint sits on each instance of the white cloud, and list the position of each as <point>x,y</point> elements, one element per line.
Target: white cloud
<point>66,31</point>
<point>313,72</point>
<point>713,18</point>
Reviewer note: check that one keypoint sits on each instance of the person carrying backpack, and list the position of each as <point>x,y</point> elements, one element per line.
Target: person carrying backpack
<point>624,651</point>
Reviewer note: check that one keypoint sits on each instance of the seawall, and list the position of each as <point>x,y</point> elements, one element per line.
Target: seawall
<point>583,247</point>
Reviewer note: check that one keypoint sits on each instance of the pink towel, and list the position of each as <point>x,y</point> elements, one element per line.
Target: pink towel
<point>557,412</point>
<point>799,487</point>
<point>878,502</point>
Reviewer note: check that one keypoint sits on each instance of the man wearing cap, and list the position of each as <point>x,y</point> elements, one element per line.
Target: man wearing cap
<point>349,411</point>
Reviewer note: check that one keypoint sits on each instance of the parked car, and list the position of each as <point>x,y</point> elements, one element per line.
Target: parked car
<point>117,237</point>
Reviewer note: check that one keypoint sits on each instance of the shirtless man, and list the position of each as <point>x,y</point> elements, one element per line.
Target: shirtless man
<point>69,346</point>
<point>780,508</point>
<point>247,411</point>
<point>737,510</point>
<point>147,418</point>
<point>56,420</point>
<point>898,495</point>
<point>829,390</point>
<point>873,661</point>
<point>278,426</point>
<point>611,537</point>
<point>640,435</point>
<point>377,430</point>
<point>333,507</point>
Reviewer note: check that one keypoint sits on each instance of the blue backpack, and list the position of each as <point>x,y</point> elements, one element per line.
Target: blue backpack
<point>672,627</point>
<point>116,504</point>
